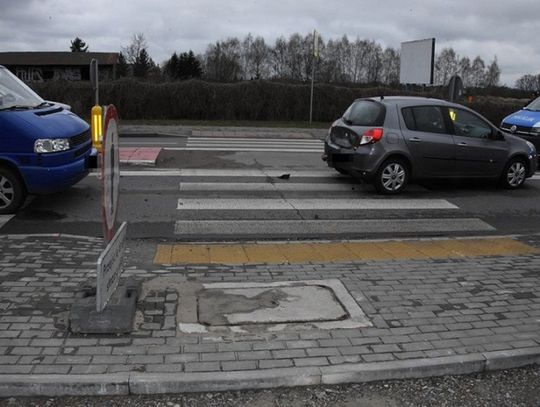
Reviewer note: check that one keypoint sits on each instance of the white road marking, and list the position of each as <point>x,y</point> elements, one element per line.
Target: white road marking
<point>264,186</point>
<point>240,139</point>
<point>145,143</point>
<point>318,228</point>
<point>226,173</point>
<point>312,204</point>
<point>251,144</point>
<point>239,149</point>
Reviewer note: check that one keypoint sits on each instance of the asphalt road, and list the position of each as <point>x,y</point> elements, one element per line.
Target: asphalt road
<point>286,194</point>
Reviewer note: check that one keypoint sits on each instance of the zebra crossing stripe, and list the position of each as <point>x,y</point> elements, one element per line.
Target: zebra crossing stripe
<point>260,140</point>
<point>265,186</point>
<point>251,144</point>
<point>236,149</point>
<point>312,204</point>
<point>325,228</point>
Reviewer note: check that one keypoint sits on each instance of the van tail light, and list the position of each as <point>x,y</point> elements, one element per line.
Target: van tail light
<point>369,136</point>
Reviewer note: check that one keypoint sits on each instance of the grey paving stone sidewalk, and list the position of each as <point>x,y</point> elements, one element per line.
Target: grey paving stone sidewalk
<point>419,310</point>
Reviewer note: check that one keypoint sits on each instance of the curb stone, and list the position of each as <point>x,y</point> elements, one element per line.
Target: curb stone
<point>156,383</point>
<point>115,384</point>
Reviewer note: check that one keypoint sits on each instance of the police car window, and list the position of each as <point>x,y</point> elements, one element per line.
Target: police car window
<point>534,105</point>
<point>428,119</point>
<point>467,124</point>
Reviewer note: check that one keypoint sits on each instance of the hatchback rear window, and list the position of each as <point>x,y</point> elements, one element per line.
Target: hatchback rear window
<point>365,113</point>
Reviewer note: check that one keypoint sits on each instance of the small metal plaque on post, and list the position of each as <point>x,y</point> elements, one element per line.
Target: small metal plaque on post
<point>109,268</point>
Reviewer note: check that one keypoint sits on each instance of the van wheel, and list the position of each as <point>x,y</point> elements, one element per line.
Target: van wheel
<point>514,174</point>
<point>12,191</point>
<point>392,176</point>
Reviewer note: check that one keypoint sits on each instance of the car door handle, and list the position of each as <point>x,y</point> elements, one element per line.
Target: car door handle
<point>462,144</point>
<point>415,139</point>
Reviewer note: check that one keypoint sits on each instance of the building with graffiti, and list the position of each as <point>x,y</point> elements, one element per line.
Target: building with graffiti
<point>53,66</point>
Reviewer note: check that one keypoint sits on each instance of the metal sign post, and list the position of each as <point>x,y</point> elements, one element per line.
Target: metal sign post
<point>94,79</point>
<point>315,57</point>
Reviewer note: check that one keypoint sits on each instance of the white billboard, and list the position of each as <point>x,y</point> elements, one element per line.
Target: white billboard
<point>417,60</point>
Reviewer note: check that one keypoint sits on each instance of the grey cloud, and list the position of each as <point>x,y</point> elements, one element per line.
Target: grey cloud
<point>480,27</point>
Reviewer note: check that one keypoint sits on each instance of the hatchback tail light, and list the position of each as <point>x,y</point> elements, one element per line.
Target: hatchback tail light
<point>369,136</point>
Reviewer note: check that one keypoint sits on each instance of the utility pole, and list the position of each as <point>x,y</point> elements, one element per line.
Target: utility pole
<point>315,58</point>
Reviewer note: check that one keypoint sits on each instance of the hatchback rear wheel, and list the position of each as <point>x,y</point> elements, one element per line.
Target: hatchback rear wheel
<point>392,176</point>
<point>12,191</point>
<point>514,174</point>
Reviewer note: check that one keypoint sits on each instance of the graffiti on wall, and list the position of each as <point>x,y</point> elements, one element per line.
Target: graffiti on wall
<point>35,74</point>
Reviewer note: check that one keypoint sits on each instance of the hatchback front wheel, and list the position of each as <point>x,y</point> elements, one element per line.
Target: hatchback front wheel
<point>514,174</point>
<point>392,176</point>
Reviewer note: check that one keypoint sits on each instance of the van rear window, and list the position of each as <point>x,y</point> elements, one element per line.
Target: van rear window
<point>365,113</point>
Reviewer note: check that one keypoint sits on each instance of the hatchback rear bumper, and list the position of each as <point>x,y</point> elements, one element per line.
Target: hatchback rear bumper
<point>359,163</point>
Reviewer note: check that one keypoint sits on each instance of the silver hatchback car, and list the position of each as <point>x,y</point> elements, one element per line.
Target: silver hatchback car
<point>391,140</point>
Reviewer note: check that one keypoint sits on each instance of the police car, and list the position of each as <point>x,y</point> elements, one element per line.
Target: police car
<point>525,123</point>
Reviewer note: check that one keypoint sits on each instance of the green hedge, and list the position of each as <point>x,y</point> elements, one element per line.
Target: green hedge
<point>250,100</point>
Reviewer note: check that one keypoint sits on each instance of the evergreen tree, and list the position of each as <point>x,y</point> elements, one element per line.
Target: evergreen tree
<point>188,66</point>
<point>122,66</point>
<point>142,65</point>
<point>78,45</point>
<point>171,67</point>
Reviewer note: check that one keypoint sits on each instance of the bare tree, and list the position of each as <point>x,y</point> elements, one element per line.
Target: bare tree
<point>390,67</point>
<point>223,61</point>
<point>493,74</point>
<point>279,58</point>
<point>373,62</point>
<point>133,50</point>
<point>255,57</point>
<point>465,71</point>
<point>446,66</point>
<point>478,73</point>
<point>530,83</point>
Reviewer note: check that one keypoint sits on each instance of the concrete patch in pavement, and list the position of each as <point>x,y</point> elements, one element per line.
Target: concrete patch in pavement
<point>270,307</point>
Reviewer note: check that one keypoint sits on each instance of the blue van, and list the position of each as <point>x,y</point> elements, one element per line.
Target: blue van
<point>525,123</point>
<point>44,148</point>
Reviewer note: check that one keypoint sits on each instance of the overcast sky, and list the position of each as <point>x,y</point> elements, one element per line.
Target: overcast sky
<point>503,28</point>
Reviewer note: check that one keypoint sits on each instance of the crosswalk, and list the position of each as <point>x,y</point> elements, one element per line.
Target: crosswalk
<point>251,144</point>
<point>225,204</point>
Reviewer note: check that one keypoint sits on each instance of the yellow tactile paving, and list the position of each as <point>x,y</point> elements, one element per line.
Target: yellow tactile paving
<point>301,253</point>
<point>274,253</point>
<point>431,249</point>
<point>163,254</point>
<point>401,250</point>
<point>191,254</point>
<point>227,254</point>
<point>332,252</point>
<point>265,253</point>
<point>367,251</point>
